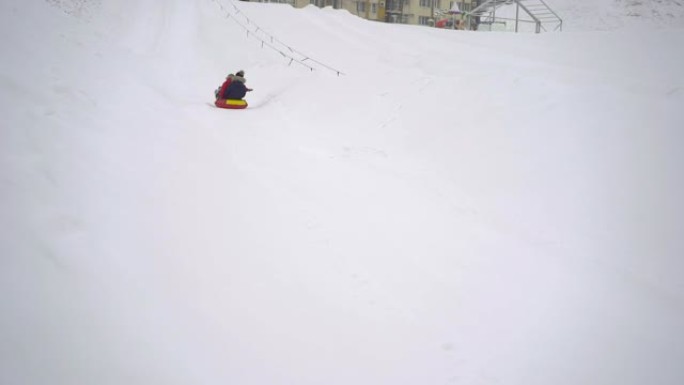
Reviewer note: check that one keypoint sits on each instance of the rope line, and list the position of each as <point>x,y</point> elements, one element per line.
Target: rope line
<point>258,32</point>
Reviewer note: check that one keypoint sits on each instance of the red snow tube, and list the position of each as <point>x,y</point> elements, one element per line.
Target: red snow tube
<point>231,104</point>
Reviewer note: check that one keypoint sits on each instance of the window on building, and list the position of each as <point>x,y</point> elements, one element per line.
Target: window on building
<point>428,3</point>
<point>361,6</point>
<point>374,8</point>
<point>424,20</point>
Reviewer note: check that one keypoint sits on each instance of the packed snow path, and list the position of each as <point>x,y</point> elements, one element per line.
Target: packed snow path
<point>459,208</point>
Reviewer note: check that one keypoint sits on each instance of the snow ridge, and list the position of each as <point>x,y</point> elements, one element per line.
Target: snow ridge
<point>82,9</point>
<point>589,15</point>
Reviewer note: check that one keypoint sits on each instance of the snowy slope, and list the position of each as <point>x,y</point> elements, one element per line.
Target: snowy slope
<point>605,15</point>
<point>459,208</point>
<point>613,14</point>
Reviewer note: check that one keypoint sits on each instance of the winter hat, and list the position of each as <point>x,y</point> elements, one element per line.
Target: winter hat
<point>240,73</point>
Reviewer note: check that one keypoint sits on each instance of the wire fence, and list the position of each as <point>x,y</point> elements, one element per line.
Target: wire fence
<point>269,41</point>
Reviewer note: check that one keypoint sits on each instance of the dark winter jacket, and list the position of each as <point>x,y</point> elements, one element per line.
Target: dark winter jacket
<point>236,89</point>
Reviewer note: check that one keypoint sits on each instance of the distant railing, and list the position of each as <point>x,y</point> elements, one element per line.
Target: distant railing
<point>269,41</point>
<point>537,10</point>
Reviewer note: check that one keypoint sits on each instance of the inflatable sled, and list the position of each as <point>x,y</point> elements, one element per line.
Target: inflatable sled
<point>231,104</point>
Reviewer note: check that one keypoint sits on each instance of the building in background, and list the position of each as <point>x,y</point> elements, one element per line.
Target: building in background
<point>438,13</point>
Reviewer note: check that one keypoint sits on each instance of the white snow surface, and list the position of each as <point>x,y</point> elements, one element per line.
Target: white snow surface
<point>605,15</point>
<point>457,208</point>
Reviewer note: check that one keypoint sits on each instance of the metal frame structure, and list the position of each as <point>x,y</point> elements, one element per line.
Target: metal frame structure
<point>538,10</point>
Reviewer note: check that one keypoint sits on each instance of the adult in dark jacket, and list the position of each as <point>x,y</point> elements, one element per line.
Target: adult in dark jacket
<point>236,89</point>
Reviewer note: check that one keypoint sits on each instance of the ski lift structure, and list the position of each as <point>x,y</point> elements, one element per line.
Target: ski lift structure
<point>536,12</point>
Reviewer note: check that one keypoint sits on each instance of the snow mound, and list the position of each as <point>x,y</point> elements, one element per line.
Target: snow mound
<point>83,9</point>
<point>603,15</point>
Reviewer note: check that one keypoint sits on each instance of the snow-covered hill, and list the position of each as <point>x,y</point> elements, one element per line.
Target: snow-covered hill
<point>578,15</point>
<point>605,15</point>
<point>457,208</point>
